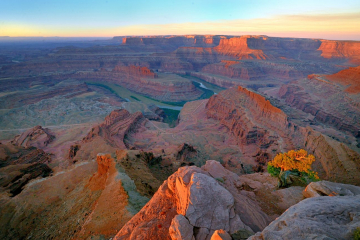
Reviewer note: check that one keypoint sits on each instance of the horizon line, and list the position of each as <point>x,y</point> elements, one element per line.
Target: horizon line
<point>177,35</point>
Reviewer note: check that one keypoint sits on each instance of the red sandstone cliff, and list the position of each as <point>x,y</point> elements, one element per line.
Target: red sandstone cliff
<point>325,97</point>
<point>262,128</point>
<point>348,77</point>
<point>258,126</point>
<point>341,49</point>
<point>238,47</point>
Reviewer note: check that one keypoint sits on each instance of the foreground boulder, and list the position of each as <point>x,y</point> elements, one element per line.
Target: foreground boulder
<point>207,203</point>
<point>316,218</point>
<point>191,204</point>
<point>326,188</point>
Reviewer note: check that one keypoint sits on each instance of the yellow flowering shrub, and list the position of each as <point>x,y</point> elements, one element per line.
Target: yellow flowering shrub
<point>294,160</point>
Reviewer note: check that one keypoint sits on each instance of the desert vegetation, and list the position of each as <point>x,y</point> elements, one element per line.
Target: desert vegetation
<point>293,166</point>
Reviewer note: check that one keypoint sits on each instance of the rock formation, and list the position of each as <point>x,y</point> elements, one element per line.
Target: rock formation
<point>325,188</point>
<point>90,199</point>
<point>15,177</point>
<point>198,203</point>
<point>238,47</point>
<point>36,137</point>
<point>12,155</point>
<point>349,78</point>
<point>340,49</point>
<point>326,101</point>
<point>116,127</point>
<point>147,171</point>
<point>260,128</point>
<point>320,217</point>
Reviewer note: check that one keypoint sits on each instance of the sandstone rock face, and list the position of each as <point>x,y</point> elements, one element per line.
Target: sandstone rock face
<point>220,235</point>
<point>262,129</point>
<point>325,188</point>
<point>340,49</point>
<point>36,137</point>
<point>238,47</point>
<point>191,191</point>
<point>328,98</point>
<point>88,200</point>
<point>116,127</point>
<point>319,217</point>
<point>111,205</point>
<point>181,229</point>
<point>200,204</point>
<point>186,152</point>
<point>349,78</point>
<point>256,123</point>
<point>205,203</point>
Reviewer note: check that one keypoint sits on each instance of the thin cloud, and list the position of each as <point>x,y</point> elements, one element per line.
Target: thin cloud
<point>319,26</point>
<point>340,26</point>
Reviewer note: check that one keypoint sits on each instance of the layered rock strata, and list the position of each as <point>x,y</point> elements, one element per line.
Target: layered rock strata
<point>327,98</point>
<point>116,127</point>
<point>35,137</point>
<point>259,128</point>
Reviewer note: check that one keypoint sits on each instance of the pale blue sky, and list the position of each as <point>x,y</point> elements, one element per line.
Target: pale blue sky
<point>86,14</point>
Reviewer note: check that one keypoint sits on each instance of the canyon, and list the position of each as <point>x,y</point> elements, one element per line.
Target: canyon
<point>168,137</point>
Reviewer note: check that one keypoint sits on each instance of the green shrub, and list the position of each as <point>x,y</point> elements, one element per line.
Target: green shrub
<point>274,171</point>
<point>357,234</point>
<point>311,176</point>
<point>220,180</point>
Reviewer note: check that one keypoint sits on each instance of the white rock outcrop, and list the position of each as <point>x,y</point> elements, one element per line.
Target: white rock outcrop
<point>316,218</point>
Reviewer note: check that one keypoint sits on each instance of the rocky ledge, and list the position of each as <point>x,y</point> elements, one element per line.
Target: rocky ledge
<point>214,203</point>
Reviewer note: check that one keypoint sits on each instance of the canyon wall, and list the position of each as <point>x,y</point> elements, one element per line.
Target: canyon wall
<point>341,49</point>
<point>262,129</point>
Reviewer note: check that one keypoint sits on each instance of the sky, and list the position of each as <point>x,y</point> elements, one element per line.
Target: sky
<point>107,18</point>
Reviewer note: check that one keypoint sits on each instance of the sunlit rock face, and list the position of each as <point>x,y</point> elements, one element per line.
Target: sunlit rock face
<point>261,128</point>
<point>203,203</point>
<point>340,49</point>
<point>238,47</point>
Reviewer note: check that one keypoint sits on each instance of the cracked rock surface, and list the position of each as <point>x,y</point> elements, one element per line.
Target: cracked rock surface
<point>316,218</point>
